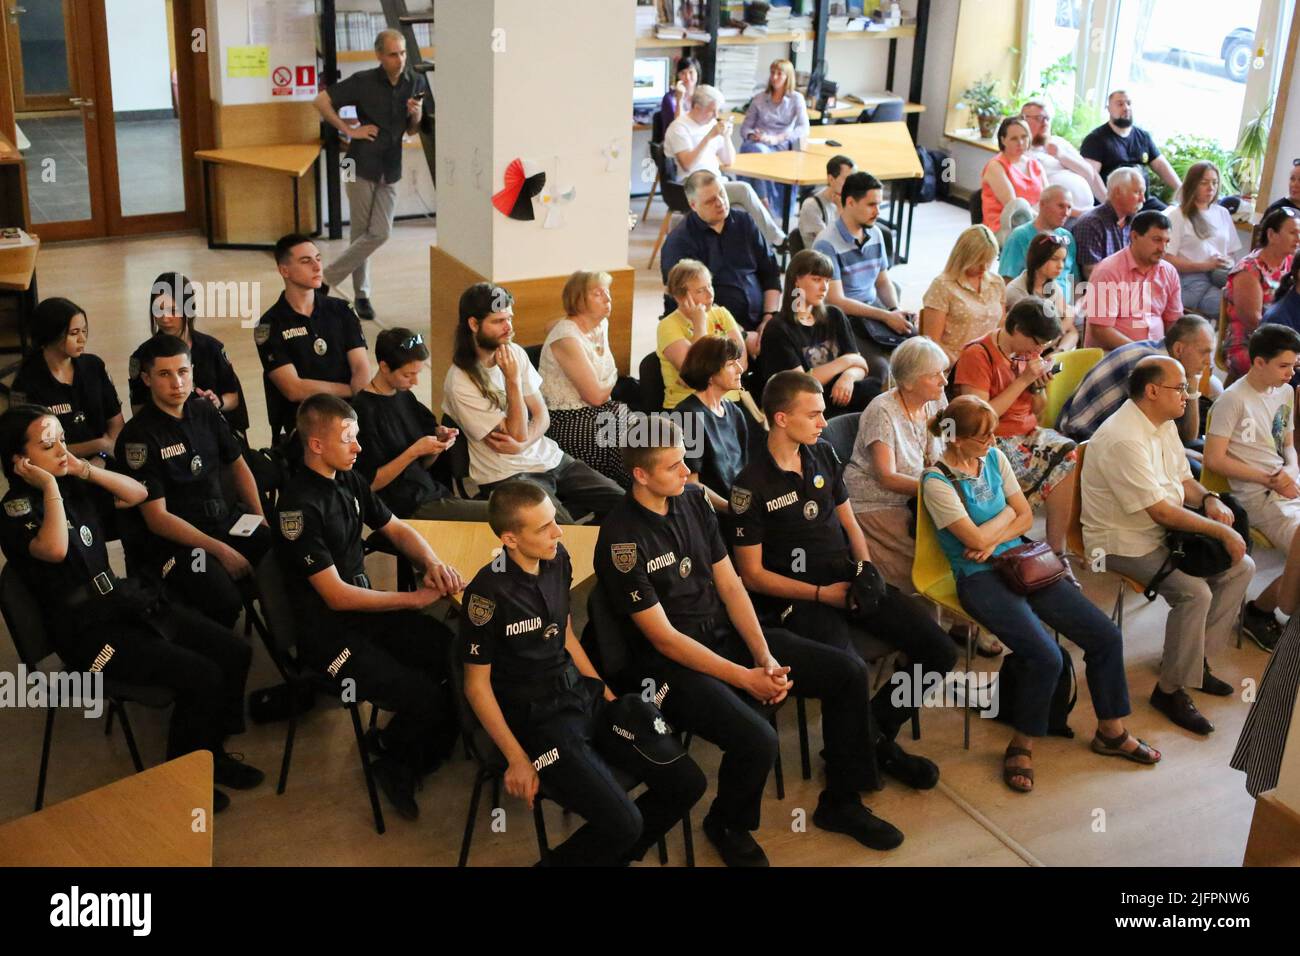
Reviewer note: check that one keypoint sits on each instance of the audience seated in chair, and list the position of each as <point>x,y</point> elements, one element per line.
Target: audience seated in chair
<point>1012,181</point>
<point>1104,229</point>
<point>718,444</point>
<point>965,302</point>
<point>1118,142</point>
<point>690,283</point>
<point>1045,277</point>
<point>1134,294</point>
<point>1053,209</point>
<point>822,208</point>
<point>1061,162</point>
<point>1202,240</point>
<point>777,120</point>
<point>1253,283</point>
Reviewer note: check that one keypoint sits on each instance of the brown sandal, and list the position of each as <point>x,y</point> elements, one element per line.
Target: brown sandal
<point>1144,753</point>
<point>1009,772</point>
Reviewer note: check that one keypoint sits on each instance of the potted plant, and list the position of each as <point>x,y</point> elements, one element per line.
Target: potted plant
<point>982,99</point>
<point>1248,157</point>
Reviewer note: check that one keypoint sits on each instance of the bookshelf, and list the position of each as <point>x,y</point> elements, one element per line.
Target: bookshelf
<point>368,56</point>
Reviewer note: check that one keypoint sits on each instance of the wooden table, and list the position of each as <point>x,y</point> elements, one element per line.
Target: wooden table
<point>468,545</point>
<point>292,159</point>
<point>885,150</point>
<point>18,277</point>
<point>146,819</point>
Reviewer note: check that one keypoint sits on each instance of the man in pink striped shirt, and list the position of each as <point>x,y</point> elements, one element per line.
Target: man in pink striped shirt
<point>1134,295</point>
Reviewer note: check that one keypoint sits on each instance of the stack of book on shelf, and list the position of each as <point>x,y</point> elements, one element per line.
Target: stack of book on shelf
<point>13,236</point>
<point>737,67</point>
<point>357,29</point>
<point>645,19</point>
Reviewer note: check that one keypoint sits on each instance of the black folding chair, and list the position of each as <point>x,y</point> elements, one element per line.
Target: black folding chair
<point>651,376</point>
<point>842,431</point>
<point>454,461</point>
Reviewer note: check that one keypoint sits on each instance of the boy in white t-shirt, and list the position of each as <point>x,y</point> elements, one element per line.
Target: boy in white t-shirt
<point>1250,441</point>
<point>493,393</point>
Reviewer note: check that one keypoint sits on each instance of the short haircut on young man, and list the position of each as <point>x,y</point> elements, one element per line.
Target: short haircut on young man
<point>783,388</point>
<point>835,165</point>
<point>857,185</point>
<point>1149,371</point>
<point>1271,340</point>
<point>317,411</point>
<point>285,244</point>
<point>1149,219</point>
<point>509,500</point>
<point>159,346</point>
<point>399,346</point>
<point>1034,317</point>
<point>659,432</point>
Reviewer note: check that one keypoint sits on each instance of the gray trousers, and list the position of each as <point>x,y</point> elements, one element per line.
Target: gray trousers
<point>370,209</point>
<point>1202,611</point>
<point>451,509</point>
<point>742,195</point>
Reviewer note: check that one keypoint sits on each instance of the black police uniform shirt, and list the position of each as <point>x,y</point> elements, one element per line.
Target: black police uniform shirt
<point>517,622</point>
<point>316,346</point>
<point>319,527</point>
<point>180,459</point>
<point>389,425</point>
<point>212,372</point>
<point>793,516</point>
<point>788,344</point>
<point>645,559</point>
<point>382,103</point>
<point>721,443</point>
<point>82,408</point>
<point>1113,151</point>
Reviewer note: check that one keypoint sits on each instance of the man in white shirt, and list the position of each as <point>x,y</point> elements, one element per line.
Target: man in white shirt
<point>1136,487</point>
<point>494,394</point>
<point>701,139</point>
<point>823,207</point>
<point>1250,441</point>
<point>1062,163</point>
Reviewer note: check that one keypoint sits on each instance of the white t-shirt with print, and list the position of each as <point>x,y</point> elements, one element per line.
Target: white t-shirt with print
<point>1256,425</point>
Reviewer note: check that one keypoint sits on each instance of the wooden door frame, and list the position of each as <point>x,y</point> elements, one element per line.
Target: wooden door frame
<point>45,101</point>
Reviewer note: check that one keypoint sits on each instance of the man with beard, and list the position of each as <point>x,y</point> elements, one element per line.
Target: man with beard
<point>1118,142</point>
<point>494,395</point>
<point>1060,160</point>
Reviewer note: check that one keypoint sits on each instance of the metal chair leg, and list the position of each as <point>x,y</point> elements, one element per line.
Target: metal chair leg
<point>365,768</point>
<point>539,824</point>
<point>663,851</point>
<point>288,751</point>
<point>688,840</point>
<point>776,769</point>
<point>108,724</point>
<point>804,759</point>
<point>663,231</point>
<point>479,779</point>
<point>130,740</point>
<point>496,792</point>
<point>971,631</point>
<point>916,724</point>
<point>45,756</point>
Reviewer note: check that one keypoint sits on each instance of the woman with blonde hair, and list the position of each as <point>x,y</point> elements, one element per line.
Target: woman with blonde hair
<point>776,120</point>
<point>965,301</point>
<point>690,285</point>
<point>1202,239</point>
<point>579,377</point>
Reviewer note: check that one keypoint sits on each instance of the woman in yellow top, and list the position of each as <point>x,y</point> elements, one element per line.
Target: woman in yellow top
<point>691,285</point>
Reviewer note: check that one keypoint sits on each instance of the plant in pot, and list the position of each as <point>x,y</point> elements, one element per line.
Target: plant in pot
<point>1182,150</point>
<point>982,99</point>
<point>1248,158</point>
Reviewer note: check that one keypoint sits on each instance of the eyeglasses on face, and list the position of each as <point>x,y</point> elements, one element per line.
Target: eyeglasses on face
<point>1186,388</point>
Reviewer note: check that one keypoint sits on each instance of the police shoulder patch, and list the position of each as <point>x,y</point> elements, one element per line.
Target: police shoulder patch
<point>623,556</point>
<point>740,499</point>
<point>262,333</point>
<point>137,453</point>
<point>18,507</point>
<point>480,609</point>
<point>291,525</point>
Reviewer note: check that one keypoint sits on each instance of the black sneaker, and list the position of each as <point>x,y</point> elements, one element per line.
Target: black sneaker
<point>1261,627</point>
<point>736,847</point>
<point>229,770</point>
<point>398,784</point>
<point>364,309</point>
<point>917,772</point>
<point>1212,685</point>
<point>1179,708</point>
<point>219,800</point>
<point>845,814</point>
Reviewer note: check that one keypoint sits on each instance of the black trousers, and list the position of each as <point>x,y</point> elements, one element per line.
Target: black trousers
<point>736,723</point>
<point>398,661</point>
<point>901,623</point>
<point>579,778</point>
<point>203,664</point>
<point>575,488</point>
<point>200,581</point>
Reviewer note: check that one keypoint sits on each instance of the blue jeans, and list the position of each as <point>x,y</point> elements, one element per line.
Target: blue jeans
<point>767,190</point>
<point>1022,621</point>
<point>1203,291</point>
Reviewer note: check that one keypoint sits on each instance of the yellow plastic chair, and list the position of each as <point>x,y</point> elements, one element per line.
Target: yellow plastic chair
<point>1075,364</point>
<point>933,579</point>
<point>1074,540</point>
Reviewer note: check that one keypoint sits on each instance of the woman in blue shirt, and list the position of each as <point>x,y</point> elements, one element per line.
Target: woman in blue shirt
<point>980,512</point>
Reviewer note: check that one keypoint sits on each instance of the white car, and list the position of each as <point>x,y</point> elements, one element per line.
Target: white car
<point>1197,27</point>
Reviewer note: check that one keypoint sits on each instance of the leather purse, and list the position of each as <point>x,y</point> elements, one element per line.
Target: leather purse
<point>1030,567</point>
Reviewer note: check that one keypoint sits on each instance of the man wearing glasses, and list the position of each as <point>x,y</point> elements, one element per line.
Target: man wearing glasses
<point>1061,162</point>
<point>1136,487</point>
<point>400,438</point>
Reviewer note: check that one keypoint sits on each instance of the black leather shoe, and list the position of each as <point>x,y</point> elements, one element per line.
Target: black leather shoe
<point>736,847</point>
<point>1261,627</point>
<point>398,785</point>
<point>1179,708</point>
<point>1212,685</point>
<point>846,814</point>
<point>219,800</point>
<point>229,770</point>
<point>917,772</point>
<point>364,309</point>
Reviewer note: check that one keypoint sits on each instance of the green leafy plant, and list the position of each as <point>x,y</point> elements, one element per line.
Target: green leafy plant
<point>1248,158</point>
<point>1183,150</point>
<point>984,103</point>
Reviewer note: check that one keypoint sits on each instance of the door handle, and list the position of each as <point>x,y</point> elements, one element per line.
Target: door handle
<point>81,101</point>
<point>14,11</point>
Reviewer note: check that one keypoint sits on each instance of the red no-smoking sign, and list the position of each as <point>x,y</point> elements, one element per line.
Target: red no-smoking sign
<point>282,78</point>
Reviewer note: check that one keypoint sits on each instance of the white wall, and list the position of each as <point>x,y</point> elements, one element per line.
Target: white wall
<point>137,55</point>
<point>231,23</point>
<point>1288,145</point>
<point>941,44</point>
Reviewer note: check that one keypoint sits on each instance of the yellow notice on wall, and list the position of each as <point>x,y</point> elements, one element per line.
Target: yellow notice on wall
<point>248,61</point>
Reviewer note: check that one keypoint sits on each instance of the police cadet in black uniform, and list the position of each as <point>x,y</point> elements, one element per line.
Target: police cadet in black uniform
<point>179,445</point>
<point>98,622</point>
<point>173,308</point>
<point>797,544</point>
<point>537,694</point>
<point>309,343</point>
<point>661,560</point>
<point>377,639</point>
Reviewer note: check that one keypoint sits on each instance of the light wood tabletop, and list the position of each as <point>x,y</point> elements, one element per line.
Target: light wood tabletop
<point>885,150</point>
<point>17,265</point>
<point>146,819</point>
<point>292,159</point>
<point>468,545</point>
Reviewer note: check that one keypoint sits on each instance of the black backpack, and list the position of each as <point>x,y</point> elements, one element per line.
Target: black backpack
<point>1063,697</point>
<point>931,185</point>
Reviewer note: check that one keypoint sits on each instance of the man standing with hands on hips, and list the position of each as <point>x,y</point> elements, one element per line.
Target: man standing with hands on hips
<point>390,102</point>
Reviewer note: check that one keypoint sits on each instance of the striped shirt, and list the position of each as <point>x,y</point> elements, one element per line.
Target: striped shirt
<point>1104,389</point>
<point>1098,235</point>
<point>856,263</point>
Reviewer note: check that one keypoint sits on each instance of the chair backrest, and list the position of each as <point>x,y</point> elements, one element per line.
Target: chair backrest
<point>1211,479</point>
<point>277,609</point>
<point>1221,345</point>
<point>657,128</point>
<point>890,111</point>
<point>651,376</point>
<point>674,196</point>
<point>24,619</point>
<point>794,241</point>
<point>606,637</point>
<point>929,563</point>
<point>976,206</point>
<point>842,431</point>
<point>534,353</point>
<point>1075,364</point>
<point>666,165</point>
<point>458,454</point>
<point>887,234</point>
<point>1074,529</point>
